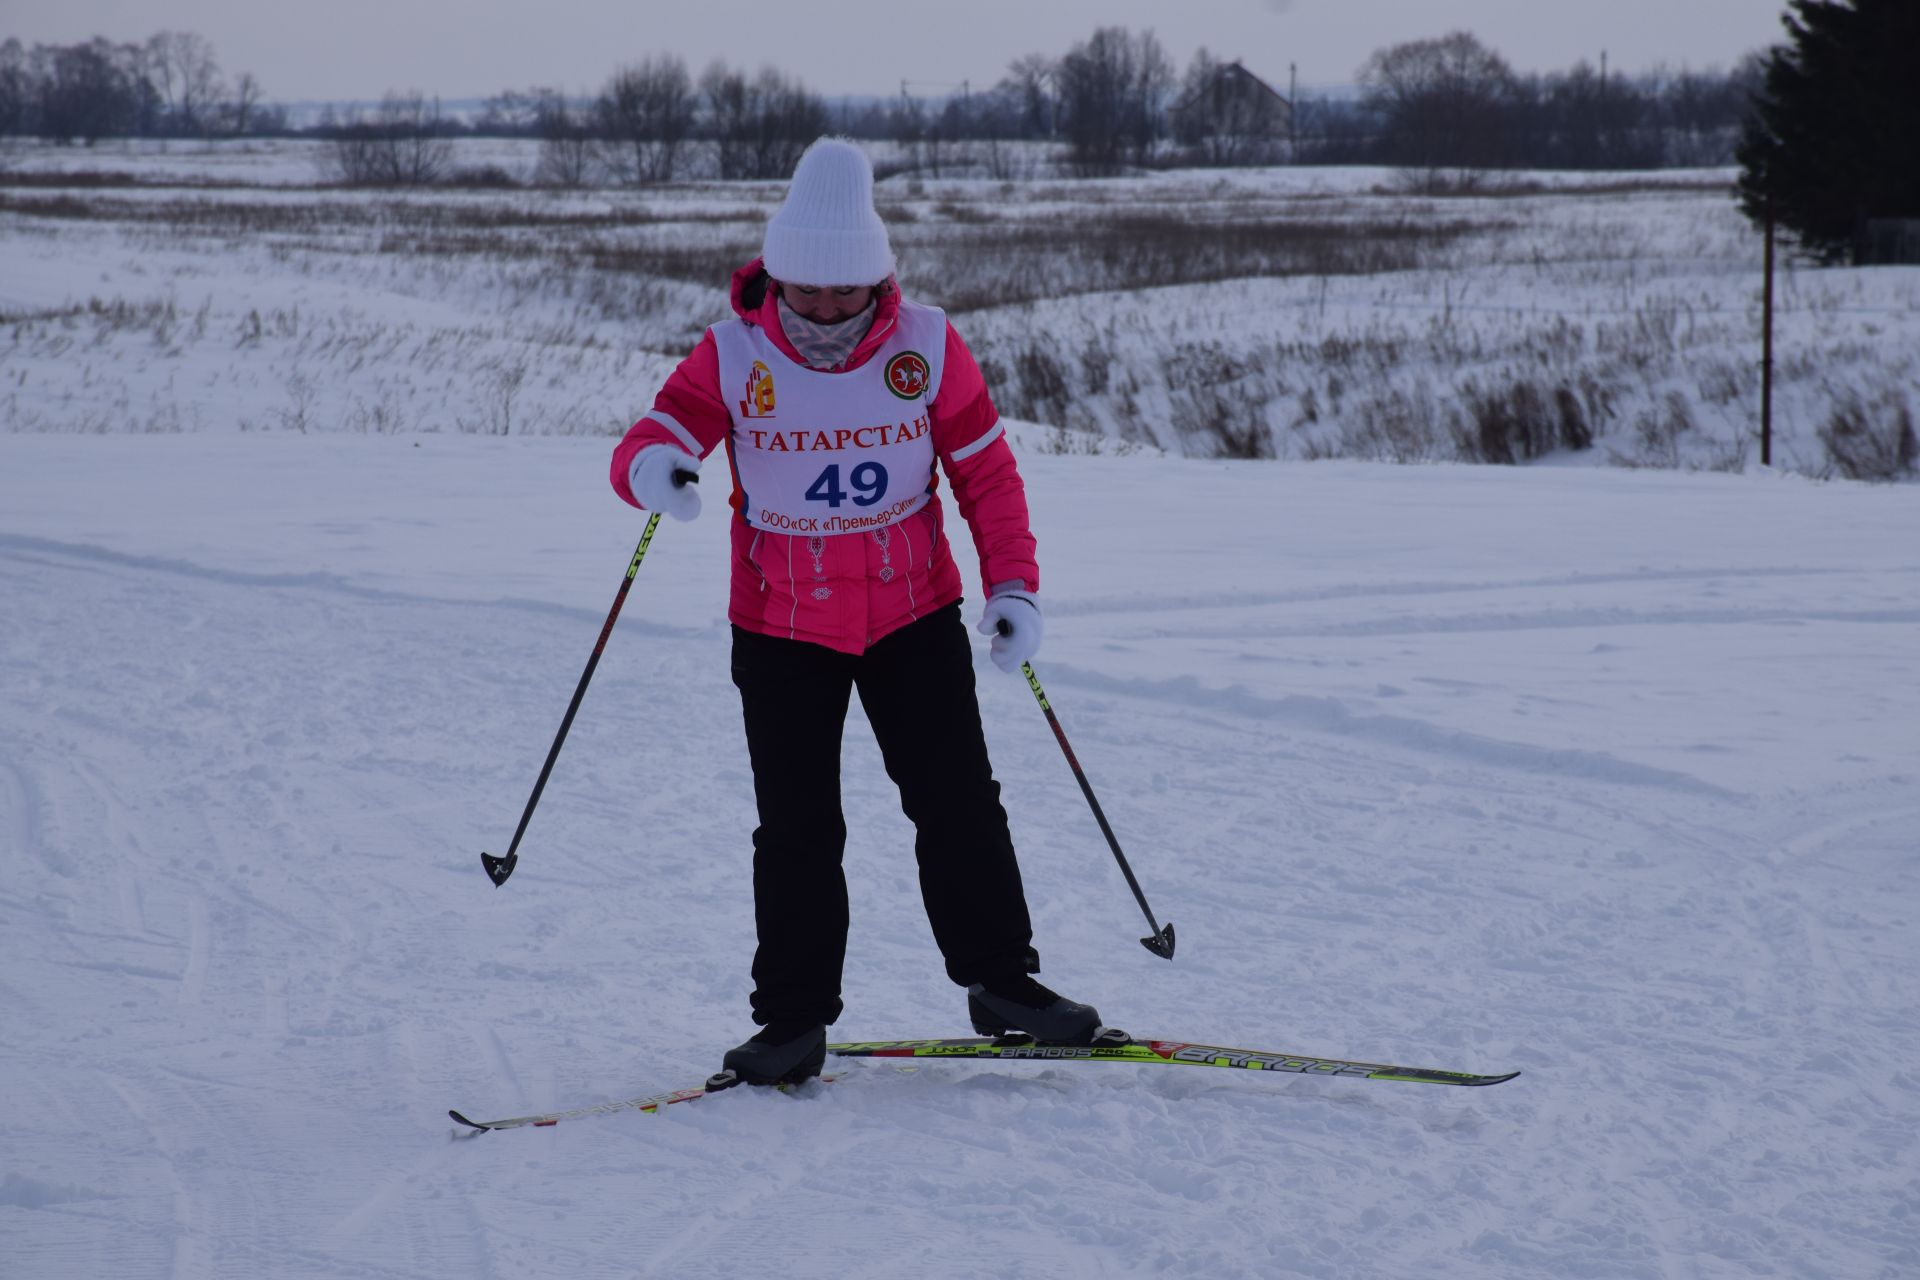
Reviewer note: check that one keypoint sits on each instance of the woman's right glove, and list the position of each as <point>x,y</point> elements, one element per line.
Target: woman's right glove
<point>1012,618</point>
<point>651,477</point>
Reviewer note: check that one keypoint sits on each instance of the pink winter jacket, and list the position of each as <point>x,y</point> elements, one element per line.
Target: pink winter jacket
<point>864,604</point>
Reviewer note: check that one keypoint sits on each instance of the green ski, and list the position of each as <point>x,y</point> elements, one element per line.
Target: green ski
<point>1108,1046</point>
<point>1117,1047</point>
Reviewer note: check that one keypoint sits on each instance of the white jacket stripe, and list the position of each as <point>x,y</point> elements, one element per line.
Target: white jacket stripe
<point>680,433</point>
<point>993,433</point>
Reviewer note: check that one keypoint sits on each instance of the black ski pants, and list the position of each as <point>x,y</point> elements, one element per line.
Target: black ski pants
<point>916,686</point>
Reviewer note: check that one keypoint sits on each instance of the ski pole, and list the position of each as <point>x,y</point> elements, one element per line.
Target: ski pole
<point>498,869</point>
<point>1160,942</point>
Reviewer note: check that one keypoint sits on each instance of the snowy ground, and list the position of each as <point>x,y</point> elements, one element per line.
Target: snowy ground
<point>1608,776</point>
<point>1290,313</point>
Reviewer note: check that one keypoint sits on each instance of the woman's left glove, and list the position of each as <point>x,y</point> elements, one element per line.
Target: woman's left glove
<point>1012,618</point>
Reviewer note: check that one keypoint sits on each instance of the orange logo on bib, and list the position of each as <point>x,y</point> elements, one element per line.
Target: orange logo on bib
<point>759,401</point>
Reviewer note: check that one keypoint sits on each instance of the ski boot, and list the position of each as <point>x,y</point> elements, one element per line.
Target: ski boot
<point>781,1053</point>
<point>1007,1006</point>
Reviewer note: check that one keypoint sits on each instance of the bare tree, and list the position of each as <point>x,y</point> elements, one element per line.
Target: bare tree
<point>1112,92</point>
<point>1442,103</point>
<point>201,89</point>
<point>926,133</point>
<point>403,144</point>
<point>417,138</point>
<point>1451,68</point>
<point>731,109</point>
<point>157,65</point>
<point>186,74</point>
<point>996,118</point>
<point>646,113</point>
<point>86,91</point>
<point>793,117</point>
<point>1699,112</point>
<point>239,110</point>
<point>1192,125</point>
<point>1092,80</point>
<point>511,113</point>
<point>907,127</point>
<point>1593,121</point>
<point>16,88</point>
<point>149,112</point>
<point>1152,85</point>
<point>760,125</point>
<point>99,89</point>
<point>957,121</point>
<point>1029,86</point>
<point>566,141</point>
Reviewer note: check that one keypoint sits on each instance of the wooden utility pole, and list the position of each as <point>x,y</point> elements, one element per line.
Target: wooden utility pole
<point>1766,349</point>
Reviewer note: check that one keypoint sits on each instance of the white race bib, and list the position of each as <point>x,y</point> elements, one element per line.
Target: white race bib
<point>826,453</point>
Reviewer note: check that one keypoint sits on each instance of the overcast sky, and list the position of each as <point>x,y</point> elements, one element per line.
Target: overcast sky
<point>341,49</point>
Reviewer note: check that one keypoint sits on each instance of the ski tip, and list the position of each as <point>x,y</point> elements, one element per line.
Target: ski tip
<point>1424,1075</point>
<point>471,1124</point>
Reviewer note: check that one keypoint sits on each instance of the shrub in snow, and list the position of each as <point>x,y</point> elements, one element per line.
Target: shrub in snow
<point>1871,441</point>
<point>1521,421</point>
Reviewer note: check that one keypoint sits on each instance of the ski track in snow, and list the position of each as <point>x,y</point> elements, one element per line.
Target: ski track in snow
<point>251,957</point>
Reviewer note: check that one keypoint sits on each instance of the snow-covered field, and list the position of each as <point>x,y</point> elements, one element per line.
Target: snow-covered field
<point>1290,313</point>
<point>1608,776</point>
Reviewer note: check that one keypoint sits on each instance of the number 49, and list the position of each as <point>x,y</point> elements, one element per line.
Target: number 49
<point>869,481</point>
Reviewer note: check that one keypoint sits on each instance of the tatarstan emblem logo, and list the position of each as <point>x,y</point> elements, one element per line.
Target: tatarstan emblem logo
<point>908,375</point>
<point>759,400</point>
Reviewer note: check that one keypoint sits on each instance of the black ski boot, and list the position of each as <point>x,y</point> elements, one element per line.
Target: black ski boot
<point>1019,1003</point>
<point>782,1053</point>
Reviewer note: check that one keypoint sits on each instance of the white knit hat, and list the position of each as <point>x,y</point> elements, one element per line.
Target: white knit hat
<point>827,231</point>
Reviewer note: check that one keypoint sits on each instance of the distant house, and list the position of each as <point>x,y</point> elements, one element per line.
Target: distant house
<point>1232,117</point>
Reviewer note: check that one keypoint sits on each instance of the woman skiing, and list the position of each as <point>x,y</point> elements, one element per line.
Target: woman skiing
<point>836,398</point>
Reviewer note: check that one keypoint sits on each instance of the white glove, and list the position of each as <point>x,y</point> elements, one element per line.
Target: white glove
<point>651,479</point>
<point>1018,639</point>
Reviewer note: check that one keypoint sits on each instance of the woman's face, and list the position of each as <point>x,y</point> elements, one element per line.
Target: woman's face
<point>827,304</point>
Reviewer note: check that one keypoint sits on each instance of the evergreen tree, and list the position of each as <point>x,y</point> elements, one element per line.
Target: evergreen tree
<point>1831,138</point>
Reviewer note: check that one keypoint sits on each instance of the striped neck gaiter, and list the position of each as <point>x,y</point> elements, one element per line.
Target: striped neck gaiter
<point>824,346</point>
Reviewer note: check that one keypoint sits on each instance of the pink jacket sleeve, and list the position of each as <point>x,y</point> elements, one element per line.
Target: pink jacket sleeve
<point>688,413</point>
<point>979,464</point>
